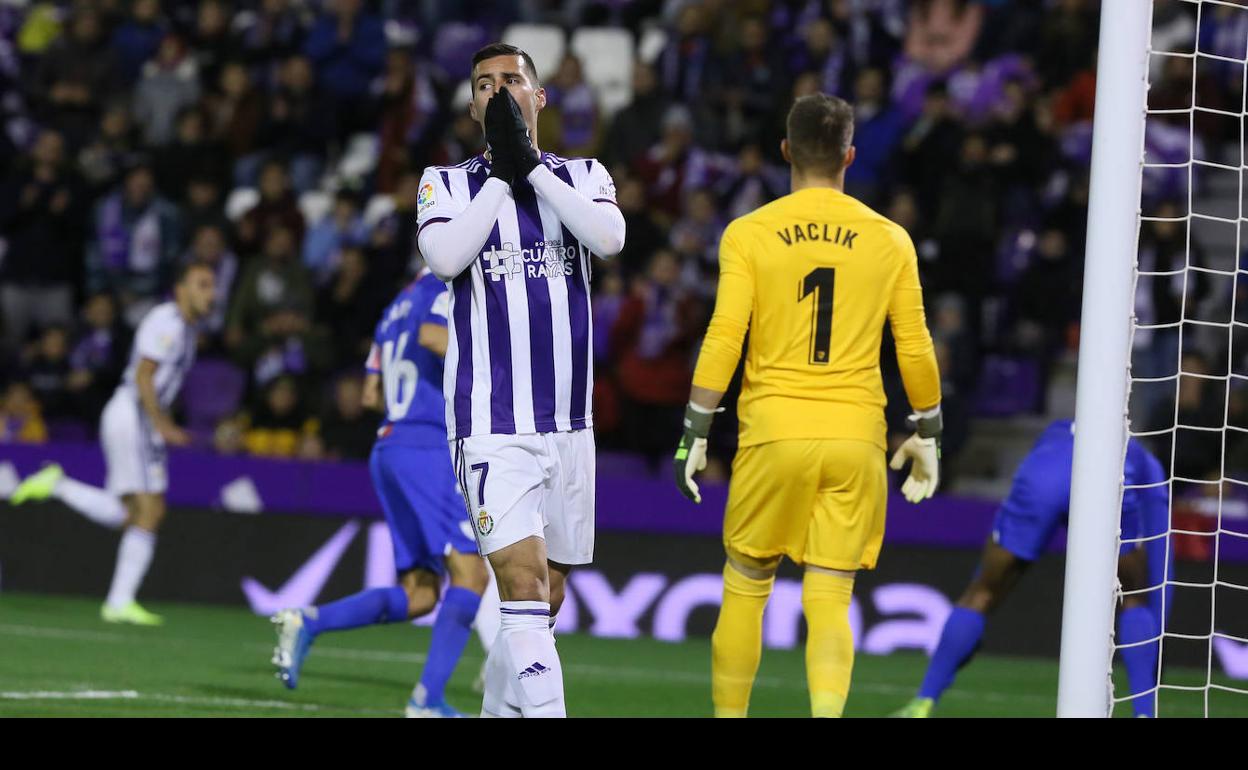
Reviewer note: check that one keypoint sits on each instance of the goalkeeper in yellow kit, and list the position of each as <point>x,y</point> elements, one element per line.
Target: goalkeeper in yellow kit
<point>813,276</point>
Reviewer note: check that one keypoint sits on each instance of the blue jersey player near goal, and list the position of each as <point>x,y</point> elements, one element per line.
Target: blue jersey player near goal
<point>412,473</point>
<point>1038,502</point>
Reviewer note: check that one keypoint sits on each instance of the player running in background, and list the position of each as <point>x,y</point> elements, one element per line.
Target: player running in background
<point>412,474</point>
<point>813,276</point>
<point>512,232</point>
<point>135,428</point>
<point>1038,502</point>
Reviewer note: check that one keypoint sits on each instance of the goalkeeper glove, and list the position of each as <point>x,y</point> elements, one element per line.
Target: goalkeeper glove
<point>691,452</point>
<point>511,149</point>
<point>923,451</point>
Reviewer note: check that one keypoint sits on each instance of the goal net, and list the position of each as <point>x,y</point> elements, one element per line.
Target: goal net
<point>1187,381</point>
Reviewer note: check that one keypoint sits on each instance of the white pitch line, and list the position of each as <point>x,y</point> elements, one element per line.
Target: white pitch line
<point>588,670</point>
<point>190,700</point>
<point>70,695</point>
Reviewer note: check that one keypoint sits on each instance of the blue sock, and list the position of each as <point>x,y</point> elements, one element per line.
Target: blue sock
<point>958,641</point>
<point>450,633</point>
<point>1136,625</point>
<point>376,605</point>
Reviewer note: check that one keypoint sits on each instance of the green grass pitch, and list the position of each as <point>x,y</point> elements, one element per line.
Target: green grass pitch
<point>58,659</point>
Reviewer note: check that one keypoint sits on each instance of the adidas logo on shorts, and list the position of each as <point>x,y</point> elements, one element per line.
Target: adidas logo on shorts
<point>537,669</point>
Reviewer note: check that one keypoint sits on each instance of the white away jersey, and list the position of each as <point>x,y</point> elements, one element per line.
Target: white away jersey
<point>521,356</point>
<point>166,338</point>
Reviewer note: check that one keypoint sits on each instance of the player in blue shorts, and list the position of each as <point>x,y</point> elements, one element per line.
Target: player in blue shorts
<point>1038,502</point>
<point>413,476</point>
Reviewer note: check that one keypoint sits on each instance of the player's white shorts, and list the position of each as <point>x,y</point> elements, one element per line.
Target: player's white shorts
<point>535,484</point>
<point>133,451</point>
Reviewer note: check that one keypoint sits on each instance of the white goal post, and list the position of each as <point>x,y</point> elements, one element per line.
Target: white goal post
<point>1084,685</point>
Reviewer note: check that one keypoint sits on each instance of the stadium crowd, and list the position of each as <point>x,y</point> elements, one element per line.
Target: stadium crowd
<point>129,128</point>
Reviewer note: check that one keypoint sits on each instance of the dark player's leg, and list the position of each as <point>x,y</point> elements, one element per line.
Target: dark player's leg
<point>421,587</point>
<point>450,633</point>
<point>998,573</point>
<point>1137,626</point>
<point>558,587</point>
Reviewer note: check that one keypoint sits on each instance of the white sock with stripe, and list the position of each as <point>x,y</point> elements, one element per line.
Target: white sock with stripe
<point>532,661</point>
<point>134,556</point>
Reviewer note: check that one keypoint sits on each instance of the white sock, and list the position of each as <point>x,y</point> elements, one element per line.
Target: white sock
<point>533,664</point>
<point>133,558</point>
<point>499,701</point>
<point>94,503</point>
<point>487,620</point>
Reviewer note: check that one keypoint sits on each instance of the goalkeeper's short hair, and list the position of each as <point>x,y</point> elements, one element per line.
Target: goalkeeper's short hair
<point>820,131</point>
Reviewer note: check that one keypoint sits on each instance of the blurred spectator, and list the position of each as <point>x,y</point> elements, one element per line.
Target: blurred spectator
<point>392,244</point>
<point>210,245</point>
<point>170,83</point>
<point>571,117</point>
<point>410,102</point>
<point>635,128</point>
<point>1046,296</point>
<point>211,39</point>
<point>203,206</point>
<point>46,370</point>
<point>695,238</point>
<point>928,146</point>
<point>665,167</point>
<point>1201,404</point>
<point>20,418</point>
<point>136,245</point>
<point>348,46</point>
<point>878,129</point>
<point>684,62</point>
<point>349,305</point>
<point>269,34</point>
<point>746,84</point>
<point>299,125</point>
<point>966,226</point>
<point>191,156</point>
<point>110,149</point>
<point>1068,35</point>
<point>752,183</point>
<point>137,38</point>
<point>41,218</point>
<point>279,426</point>
<point>645,236</point>
<point>942,33</point>
<point>277,208</point>
<point>98,357</point>
<point>76,77</point>
<point>341,228</point>
<point>653,341</point>
<point>269,325</point>
<point>347,431</point>
<point>235,111</point>
<point>820,54</point>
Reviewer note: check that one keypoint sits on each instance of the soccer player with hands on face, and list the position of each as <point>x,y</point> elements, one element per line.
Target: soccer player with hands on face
<point>813,276</point>
<point>512,233</point>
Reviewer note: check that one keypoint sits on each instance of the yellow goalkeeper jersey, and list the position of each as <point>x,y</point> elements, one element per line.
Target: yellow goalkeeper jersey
<point>813,276</point>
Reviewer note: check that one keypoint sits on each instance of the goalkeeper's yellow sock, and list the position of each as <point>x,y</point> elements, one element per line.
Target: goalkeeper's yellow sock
<point>829,640</point>
<point>737,644</point>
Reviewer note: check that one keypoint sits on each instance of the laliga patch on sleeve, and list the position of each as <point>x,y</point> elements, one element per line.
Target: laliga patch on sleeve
<point>426,198</point>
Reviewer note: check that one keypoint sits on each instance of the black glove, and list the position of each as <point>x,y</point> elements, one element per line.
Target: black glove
<point>691,452</point>
<point>511,149</point>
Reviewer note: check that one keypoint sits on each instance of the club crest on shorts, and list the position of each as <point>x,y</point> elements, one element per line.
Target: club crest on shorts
<point>485,523</point>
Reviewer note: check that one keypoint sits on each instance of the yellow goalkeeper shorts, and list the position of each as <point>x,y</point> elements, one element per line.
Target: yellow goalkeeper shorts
<point>816,501</point>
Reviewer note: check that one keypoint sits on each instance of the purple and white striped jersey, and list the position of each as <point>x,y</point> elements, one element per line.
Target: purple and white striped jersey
<point>520,358</point>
